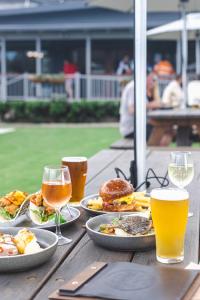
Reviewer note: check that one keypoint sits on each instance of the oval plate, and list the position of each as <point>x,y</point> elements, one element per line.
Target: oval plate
<point>135,243</point>
<point>93,213</point>
<point>27,222</point>
<point>47,240</point>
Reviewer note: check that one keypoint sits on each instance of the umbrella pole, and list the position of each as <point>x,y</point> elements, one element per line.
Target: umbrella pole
<point>184,55</point>
<point>140,90</point>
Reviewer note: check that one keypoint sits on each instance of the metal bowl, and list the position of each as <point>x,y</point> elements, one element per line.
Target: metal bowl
<point>133,243</point>
<point>47,240</point>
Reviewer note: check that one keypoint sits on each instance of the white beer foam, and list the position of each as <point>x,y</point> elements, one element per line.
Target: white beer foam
<point>74,159</point>
<point>171,194</point>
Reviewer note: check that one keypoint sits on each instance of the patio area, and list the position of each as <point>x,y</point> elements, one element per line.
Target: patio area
<point>99,150</point>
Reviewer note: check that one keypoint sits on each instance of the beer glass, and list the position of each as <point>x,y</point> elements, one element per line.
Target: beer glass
<point>169,209</point>
<point>56,190</point>
<point>78,172</point>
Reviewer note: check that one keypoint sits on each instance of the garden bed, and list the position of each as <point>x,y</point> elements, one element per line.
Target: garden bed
<point>59,111</point>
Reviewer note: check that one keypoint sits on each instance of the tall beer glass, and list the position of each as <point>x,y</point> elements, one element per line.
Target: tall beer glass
<point>169,209</point>
<point>78,172</point>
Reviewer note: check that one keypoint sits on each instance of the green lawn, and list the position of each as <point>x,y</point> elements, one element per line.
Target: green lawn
<point>24,152</point>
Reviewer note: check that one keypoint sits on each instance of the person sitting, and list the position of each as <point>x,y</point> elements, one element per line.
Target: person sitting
<point>127,111</point>
<point>124,67</point>
<point>153,92</point>
<point>194,92</point>
<point>173,93</point>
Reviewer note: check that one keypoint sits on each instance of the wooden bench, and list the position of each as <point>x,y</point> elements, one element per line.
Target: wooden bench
<point>123,144</point>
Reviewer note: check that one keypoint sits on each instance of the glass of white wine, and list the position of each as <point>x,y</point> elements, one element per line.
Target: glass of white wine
<point>181,169</point>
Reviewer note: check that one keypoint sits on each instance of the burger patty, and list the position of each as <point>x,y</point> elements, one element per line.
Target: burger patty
<point>118,207</point>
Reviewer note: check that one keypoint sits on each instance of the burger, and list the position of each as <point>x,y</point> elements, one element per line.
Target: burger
<point>117,195</point>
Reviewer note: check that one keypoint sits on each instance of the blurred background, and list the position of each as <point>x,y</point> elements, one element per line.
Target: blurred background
<point>68,61</point>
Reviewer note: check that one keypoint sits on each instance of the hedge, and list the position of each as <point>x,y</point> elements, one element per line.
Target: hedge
<point>59,111</point>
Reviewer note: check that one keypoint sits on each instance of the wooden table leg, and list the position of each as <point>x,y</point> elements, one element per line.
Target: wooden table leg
<point>183,136</point>
<point>156,135</point>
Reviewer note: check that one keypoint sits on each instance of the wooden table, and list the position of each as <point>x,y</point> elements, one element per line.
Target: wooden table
<point>164,120</point>
<point>70,259</point>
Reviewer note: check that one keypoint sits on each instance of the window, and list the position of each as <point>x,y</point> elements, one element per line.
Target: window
<point>17,59</point>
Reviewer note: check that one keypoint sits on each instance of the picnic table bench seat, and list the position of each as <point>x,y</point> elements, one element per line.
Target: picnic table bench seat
<point>123,144</point>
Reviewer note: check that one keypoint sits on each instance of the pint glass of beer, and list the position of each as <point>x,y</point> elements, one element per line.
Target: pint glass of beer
<point>78,172</point>
<point>169,209</point>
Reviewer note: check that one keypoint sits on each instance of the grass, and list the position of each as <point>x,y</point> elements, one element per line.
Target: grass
<point>24,152</point>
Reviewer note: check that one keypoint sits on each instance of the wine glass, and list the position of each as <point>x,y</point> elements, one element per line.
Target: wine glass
<point>181,169</point>
<point>57,190</point>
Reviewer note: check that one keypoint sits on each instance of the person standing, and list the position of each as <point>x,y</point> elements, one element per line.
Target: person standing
<point>163,68</point>
<point>69,70</point>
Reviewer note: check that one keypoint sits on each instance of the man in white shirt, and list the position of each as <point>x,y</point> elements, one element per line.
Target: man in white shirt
<point>127,111</point>
<point>173,93</point>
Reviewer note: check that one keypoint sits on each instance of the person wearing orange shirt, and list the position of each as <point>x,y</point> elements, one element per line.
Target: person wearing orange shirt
<point>163,68</point>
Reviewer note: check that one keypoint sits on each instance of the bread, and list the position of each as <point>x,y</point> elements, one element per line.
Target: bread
<point>114,189</point>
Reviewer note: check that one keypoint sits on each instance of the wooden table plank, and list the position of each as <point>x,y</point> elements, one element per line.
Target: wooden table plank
<point>192,235</point>
<point>25,284</point>
<point>100,161</point>
<point>86,252</point>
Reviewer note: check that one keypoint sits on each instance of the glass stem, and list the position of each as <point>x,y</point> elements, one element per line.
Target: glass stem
<point>58,231</point>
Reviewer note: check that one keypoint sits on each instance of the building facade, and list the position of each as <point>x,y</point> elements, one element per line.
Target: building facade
<point>95,39</point>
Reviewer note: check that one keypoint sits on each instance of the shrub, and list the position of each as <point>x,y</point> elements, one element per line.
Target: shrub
<point>59,111</point>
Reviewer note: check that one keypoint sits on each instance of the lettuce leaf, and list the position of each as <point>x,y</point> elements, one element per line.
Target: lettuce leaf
<point>5,214</point>
<point>43,217</point>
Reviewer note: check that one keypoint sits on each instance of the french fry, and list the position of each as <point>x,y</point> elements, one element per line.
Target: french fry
<point>142,203</point>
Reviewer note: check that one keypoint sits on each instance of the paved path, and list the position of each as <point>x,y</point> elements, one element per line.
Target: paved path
<point>60,125</point>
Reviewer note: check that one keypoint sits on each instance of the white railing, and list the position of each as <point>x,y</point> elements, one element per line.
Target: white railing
<point>88,87</point>
<point>83,87</point>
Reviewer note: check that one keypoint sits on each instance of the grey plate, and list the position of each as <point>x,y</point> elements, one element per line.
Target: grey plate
<point>47,240</point>
<point>115,242</point>
<point>25,221</point>
<point>92,212</point>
